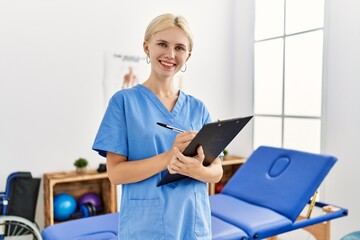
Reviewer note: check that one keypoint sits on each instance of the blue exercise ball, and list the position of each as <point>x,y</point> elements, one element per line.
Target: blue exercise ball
<point>64,206</point>
<point>352,236</point>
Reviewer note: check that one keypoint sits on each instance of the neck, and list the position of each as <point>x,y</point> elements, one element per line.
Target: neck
<point>161,88</point>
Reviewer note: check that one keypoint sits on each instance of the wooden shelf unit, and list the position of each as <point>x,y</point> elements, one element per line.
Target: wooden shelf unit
<point>230,165</point>
<point>77,184</point>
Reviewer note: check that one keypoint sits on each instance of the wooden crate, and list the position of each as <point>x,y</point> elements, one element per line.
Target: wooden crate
<point>77,184</point>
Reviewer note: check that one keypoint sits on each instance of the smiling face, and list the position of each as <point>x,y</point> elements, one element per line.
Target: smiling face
<point>168,51</point>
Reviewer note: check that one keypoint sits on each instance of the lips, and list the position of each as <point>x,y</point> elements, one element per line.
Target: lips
<point>167,64</point>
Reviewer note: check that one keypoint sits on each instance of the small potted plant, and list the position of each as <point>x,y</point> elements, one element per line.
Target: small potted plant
<point>225,153</point>
<point>81,165</point>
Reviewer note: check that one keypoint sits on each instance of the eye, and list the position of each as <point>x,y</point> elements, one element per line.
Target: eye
<point>179,48</point>
<point>162,44</point>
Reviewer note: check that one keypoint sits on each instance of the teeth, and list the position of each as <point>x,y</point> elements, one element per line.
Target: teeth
<point>167,64</point>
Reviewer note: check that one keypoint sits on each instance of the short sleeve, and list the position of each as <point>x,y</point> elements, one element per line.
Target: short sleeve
<point>112,133</point>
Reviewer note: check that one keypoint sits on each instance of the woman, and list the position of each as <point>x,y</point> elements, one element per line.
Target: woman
<point>138,151</point>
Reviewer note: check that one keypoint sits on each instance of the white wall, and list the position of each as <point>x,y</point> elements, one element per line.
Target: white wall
<point>342,111</point>
<point>242,84</point>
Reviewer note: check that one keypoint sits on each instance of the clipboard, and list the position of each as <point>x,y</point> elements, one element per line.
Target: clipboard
<point>214,138</point>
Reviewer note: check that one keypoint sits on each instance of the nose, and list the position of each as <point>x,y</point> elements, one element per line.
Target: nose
<point>170,53</point>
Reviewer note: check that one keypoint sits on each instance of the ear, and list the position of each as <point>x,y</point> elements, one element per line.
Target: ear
<point>146,48</point>
<point>188,56</point>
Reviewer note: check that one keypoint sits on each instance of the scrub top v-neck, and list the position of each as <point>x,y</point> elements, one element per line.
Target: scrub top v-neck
<point>178,210</point>
<point>169,114</point>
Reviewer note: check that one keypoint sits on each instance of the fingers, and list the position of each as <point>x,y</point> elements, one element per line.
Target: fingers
<point>186,136</point>
<point>173,166</point>
<point>182,164</point>
<point>176,165</point>
<point>182,140</point>
<point>201,154</point>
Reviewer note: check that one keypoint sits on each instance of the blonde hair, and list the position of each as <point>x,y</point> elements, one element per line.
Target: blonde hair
<point>168,20</point>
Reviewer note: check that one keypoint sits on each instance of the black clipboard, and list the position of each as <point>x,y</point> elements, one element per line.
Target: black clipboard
<point>214,138</point>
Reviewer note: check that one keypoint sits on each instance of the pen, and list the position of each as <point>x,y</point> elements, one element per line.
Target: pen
<point>170,127</point>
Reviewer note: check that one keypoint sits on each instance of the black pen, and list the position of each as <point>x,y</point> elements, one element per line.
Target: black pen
<point>170,127</point>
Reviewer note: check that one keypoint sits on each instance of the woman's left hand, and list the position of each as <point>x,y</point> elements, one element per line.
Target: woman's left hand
<point>193,166</point>
<point>188,166</point>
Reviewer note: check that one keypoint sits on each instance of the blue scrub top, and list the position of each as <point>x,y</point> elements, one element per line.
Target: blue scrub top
<point>178,210</point>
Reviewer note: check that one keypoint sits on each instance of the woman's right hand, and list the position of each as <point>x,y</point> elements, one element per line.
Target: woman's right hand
<point>182,140</point>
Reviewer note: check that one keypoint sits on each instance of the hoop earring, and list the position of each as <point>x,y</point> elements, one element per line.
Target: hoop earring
<point>184,69</point>
<point>147,59</point>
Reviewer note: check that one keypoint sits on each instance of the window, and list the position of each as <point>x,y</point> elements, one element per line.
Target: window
<point>288,62</point>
